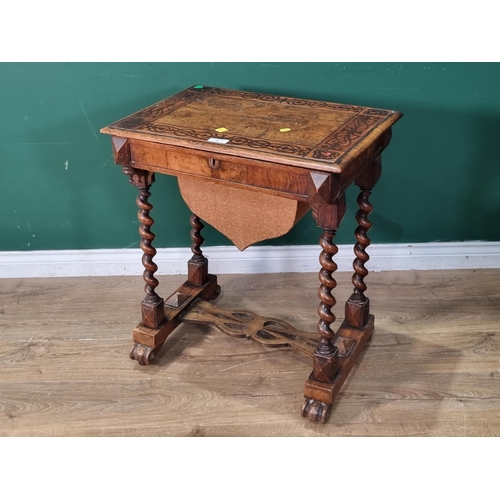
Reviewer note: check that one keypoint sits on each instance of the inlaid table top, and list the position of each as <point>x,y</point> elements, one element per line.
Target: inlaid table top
<point>317,135</point>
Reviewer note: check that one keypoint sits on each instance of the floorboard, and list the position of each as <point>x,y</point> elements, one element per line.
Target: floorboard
<point>432,369</point>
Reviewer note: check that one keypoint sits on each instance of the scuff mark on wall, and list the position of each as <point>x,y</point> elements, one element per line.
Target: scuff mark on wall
<point>88,120</point>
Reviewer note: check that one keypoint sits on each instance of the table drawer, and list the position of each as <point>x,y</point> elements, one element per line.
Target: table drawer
<point>177,161</point>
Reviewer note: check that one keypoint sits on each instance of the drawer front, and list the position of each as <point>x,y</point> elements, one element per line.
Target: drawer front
<point>291,181</point>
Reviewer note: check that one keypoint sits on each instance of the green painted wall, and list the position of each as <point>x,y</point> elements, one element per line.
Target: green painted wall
<point>60,189</point>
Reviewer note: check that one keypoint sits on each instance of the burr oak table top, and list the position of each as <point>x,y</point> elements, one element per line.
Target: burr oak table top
<point>317,135</point>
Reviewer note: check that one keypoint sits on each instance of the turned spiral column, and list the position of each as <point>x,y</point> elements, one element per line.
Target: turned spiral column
<point>147,237</point>
<point>153,308</point>
<point>364,225</point>
<point>357,308</point>
<point>326,356</point>
<point>198,264</point>
<point>328,283</point>
<point>325,361</point>
<point>196,237</point>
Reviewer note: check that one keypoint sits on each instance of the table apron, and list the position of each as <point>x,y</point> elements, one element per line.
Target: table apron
<point>289,182</point>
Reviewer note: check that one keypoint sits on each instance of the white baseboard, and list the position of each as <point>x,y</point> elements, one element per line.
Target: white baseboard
<point>259,259</point>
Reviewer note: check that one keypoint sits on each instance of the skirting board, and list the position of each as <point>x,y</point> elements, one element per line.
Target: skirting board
<point>257,259</point>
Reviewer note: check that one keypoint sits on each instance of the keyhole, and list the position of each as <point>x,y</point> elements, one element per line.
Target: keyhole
<point>213,163</point>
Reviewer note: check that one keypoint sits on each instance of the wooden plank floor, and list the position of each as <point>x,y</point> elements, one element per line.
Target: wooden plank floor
<point>432,369</point>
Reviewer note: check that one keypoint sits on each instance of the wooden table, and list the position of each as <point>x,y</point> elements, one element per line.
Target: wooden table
<point>277,148</point>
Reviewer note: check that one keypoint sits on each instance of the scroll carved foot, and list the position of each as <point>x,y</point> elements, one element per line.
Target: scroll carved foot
<point>143,354</point>
<point>316,411</point>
